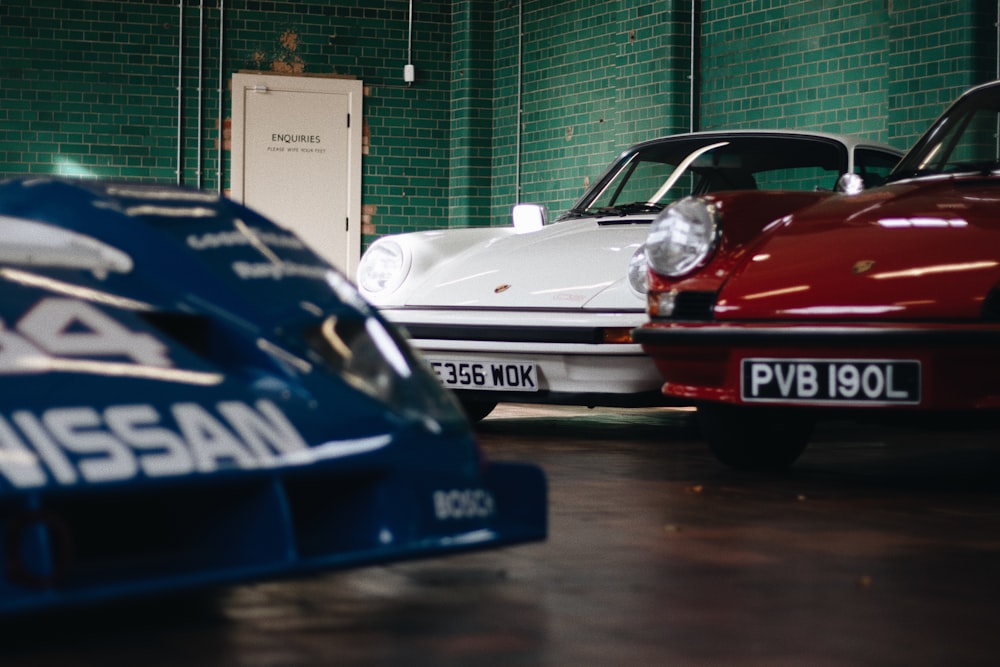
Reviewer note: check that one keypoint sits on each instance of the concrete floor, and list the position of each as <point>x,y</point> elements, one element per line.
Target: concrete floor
<point>881,547</point>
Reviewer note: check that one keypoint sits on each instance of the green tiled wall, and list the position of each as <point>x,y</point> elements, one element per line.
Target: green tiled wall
<point>600,76</point>
<point>520,100</point>
<point>567,99</point>
<point>471,114</point>
<point>936,51</point>
<point>88,88</point>
<point>884,70</point>
<point>595,78</point>
<point>92,88</point>
<point>816,65</point>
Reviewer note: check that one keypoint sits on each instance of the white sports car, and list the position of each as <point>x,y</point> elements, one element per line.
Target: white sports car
<point>543,313</point>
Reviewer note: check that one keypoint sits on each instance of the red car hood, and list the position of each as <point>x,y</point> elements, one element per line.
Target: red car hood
<point>916,250</point>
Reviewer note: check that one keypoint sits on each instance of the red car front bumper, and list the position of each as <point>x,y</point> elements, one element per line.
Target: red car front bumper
<point>897,365</point>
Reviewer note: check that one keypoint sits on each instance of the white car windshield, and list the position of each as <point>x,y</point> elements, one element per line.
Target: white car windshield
<point>655,174</point>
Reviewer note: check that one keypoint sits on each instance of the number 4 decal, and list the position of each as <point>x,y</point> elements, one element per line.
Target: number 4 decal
<point>71,328</point>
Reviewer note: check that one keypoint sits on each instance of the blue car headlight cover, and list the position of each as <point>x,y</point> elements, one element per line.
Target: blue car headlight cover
<point>372,357</point>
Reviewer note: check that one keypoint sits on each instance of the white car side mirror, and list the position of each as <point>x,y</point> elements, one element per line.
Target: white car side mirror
<point>527,218</point>
<point>850,183</point>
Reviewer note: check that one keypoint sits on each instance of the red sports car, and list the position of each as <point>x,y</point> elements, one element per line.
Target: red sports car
<point>770,310</point>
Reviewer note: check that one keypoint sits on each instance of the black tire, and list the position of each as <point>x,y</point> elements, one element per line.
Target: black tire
<point>755,438</point>
<point>477,411</point>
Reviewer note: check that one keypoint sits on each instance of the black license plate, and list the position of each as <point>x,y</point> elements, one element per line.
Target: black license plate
<point>491,375</point>
<point>839,381</point>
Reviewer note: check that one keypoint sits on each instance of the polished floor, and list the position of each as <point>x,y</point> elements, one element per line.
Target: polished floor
<point>881,547</point>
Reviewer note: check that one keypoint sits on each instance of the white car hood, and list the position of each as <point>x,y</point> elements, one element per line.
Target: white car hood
<point>572,264</point>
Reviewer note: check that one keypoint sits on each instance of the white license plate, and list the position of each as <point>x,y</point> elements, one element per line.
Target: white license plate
<point>841,381</point>
<point>492,375</point>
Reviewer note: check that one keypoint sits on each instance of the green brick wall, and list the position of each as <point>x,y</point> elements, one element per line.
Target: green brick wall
<point>653,68</point>
<point>567,97</point>
<point>91,89</point>
<point>595,78</point>
<point>883,70</point>
<point>600,76</point>
<point>88,88</point>
<point>807,65</point>
<point>513,101</point>
<point>471,130</point>
<point>936,50</point>
<point>405,174</point>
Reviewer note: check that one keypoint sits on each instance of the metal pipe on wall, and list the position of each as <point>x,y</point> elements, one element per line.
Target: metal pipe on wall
<point>692,104</point>
<point>201,94</point>
<point>222,87</point>
<point>517,134</point>
<point>180,86</point>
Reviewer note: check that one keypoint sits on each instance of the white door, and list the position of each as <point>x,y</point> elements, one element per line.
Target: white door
<point>296,158</point>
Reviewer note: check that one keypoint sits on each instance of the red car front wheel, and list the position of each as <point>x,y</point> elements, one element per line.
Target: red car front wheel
<point>755,438</point>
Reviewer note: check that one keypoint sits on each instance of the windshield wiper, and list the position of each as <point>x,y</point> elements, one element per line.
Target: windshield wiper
<point>576,213</point>
<point>628,209</point>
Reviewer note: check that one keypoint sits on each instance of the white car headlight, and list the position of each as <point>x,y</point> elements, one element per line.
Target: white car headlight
<point>682,237</point>
<point>383,267</point>
<point>638,271</point>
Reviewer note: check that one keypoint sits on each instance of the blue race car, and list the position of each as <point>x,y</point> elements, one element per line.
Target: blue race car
<point>193,398</point>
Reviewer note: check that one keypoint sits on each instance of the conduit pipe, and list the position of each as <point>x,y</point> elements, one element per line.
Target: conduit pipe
<point>222,86</point>
<point>201,81</point>
<point>692,104</point>
<point>517,134</point>
<point>201,94</point>
<point>180,85</point>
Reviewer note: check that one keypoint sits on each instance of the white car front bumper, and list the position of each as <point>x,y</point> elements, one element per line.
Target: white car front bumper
<point>552,355</point>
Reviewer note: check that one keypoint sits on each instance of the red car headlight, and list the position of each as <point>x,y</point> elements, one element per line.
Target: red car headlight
<point>683,237</point>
